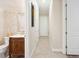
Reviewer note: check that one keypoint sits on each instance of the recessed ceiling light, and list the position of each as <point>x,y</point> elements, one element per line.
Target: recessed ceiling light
<point>43,1</point>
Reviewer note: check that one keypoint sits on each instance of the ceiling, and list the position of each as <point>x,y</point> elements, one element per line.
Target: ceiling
<point>44,6</point>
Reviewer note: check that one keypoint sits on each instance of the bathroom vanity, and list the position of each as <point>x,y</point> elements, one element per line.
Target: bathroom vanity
<point>16,46</point>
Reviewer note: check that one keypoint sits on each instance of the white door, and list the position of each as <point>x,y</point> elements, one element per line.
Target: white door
<point>73,27</point>
<point>34,26</point>
<point>44,25</point>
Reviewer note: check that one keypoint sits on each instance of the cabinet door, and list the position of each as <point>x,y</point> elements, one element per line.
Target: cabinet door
<point>17,46</point>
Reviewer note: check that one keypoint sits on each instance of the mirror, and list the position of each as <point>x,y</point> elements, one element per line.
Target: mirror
<point>32,21</point>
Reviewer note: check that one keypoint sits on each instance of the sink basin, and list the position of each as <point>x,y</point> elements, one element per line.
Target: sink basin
<point>17,35</point>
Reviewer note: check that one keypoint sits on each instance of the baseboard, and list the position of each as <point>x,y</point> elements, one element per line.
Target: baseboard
<point>57,50</point>
<point>44,37</point>
<point>64,52</point>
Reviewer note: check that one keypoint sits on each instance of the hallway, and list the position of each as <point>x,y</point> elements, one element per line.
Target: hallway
<point>43,50</point>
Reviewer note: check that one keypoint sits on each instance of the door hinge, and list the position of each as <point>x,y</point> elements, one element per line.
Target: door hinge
<point>66,46</point>
<point>66,4</point>
<point>66,33</point>
<point>66,18</point>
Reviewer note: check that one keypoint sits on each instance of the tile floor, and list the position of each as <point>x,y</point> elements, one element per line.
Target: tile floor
<point>43,51</point>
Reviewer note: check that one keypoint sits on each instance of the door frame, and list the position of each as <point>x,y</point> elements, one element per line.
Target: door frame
<point>27,33</point>
<point>64,25</point>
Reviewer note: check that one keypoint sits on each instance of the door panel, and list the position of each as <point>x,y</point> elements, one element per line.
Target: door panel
<point>34,26</point>
<point>43,25</point>
<point>73,27</point>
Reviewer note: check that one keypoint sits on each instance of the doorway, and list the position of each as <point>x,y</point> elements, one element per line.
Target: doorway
<point>55,28</point>
<point>44,25</point>
<point>43,43</point>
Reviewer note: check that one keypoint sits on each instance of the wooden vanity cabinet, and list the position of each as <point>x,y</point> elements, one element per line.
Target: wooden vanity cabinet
<point>16,47</point>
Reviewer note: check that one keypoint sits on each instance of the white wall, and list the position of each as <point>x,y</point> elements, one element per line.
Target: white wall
<point>14,21</point>
<point>8,12</point>
<point>1,22</point>
<point>18,4</point>
<point>12,10</point>
<point>44,25</point>
<point>56,25</point>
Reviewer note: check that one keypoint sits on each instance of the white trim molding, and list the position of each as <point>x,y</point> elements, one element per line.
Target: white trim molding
<point>64,26</point>
<point>57,50</point>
